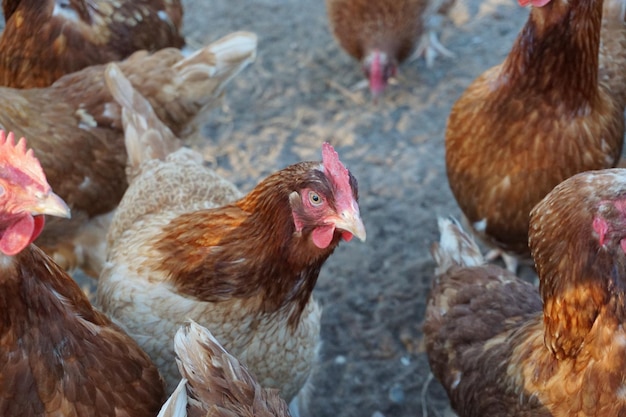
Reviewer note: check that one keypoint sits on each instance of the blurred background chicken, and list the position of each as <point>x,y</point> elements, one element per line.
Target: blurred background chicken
<point>553,108</point>
<point>76,132</point>
<point>215,383</point>
<point>59,356</point>
<point>46,39</point>
<point>499,348</point>
<point>381,35</point>
<point>186,244</point>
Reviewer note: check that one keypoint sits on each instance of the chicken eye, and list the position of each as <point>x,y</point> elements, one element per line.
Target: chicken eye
<point>315,198</point>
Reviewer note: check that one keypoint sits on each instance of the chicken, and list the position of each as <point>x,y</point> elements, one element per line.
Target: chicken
<point>543,115</point>
<point>185,244</point>
<point>70,35</point>
<point>215,383</point>
<point>383,34</point>
<point>76,131</point>
<point>498,350</point>
<point>59,356</point>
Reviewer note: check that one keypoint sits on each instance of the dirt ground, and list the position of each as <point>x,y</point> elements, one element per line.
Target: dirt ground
<point>296,96</point>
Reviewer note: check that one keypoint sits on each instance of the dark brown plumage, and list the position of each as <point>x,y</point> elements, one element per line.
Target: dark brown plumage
<point>59,356</point>
<point>501,349</point>
<point>73,34</point>
<point>546,113</point>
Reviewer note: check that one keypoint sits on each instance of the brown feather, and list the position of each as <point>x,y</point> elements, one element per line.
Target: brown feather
<point>278,264</point>
<point>498,351</point>
<point>77,119</point>
<point>392,26</point>
<point>60,356</point>
<point>538,118</point>
<point>74,34</point>
<point>217,383</point>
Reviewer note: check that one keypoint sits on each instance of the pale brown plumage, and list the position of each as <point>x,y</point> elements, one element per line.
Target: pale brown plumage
<point>75,128</point>
<point>549,111</point>
<point>59,356</point>
<point>501,348</point>
<point>185,244</point>
<point>215,383</point>
<point>73,34</point>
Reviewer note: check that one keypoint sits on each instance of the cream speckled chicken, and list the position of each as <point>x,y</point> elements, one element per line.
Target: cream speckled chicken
<point>185,244</point>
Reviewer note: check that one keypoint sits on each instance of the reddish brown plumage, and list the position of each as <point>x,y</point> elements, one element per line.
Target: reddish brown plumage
<point>280,265</point>
<point>499,348</point>
<point>73,34</point>
<point>361,26</point>
<point>59,356</point>
<point>538,118</point>
<point>392,27</point>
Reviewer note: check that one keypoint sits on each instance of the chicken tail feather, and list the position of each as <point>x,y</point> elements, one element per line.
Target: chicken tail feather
<point>218,383</point>
<point>176,405</point>
<point>202,76</point>
<point>220,61</point>
<point>146,136</point>
<point>455,247</point>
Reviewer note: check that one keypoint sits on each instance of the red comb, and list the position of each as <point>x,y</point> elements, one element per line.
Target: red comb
<point>337,171</point>
<point>16,155</point>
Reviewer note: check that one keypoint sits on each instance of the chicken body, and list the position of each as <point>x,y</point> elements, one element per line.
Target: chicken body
<point>74,34</point>
<point>77,134</point>
<point>215,382</point>
<point>140,294</point>
<point>543,115</point>
<point>62,357</point>
<point>379,34</point>
<point>501,348</point>
<point>59,355</point>
<point>185,244</point>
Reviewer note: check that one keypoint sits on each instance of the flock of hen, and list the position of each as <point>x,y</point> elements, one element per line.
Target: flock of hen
<point>106,97</point>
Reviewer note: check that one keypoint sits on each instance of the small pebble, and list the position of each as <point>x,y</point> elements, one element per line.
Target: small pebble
<point>405,360</point>
<point>396,394</point>
<point>340,360</point>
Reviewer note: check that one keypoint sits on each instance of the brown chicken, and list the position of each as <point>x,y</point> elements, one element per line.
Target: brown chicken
<point>59,356</point>
<point>499,351</point>
<point>215,383</point>
<point>76,131</point>
<point>383,34</point>
<point>552,109</point>
<point>185,244</point>
<point>46,39</point>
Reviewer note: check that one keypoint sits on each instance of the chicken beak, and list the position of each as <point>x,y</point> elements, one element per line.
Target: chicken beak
<point>350,221</point>
<point>52,205</point>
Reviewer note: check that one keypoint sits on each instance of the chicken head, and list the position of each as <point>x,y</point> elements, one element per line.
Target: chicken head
<point>25,196</point>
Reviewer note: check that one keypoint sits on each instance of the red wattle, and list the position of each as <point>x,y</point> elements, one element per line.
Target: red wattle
<point>20,234</point>
<point>40,222</point>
